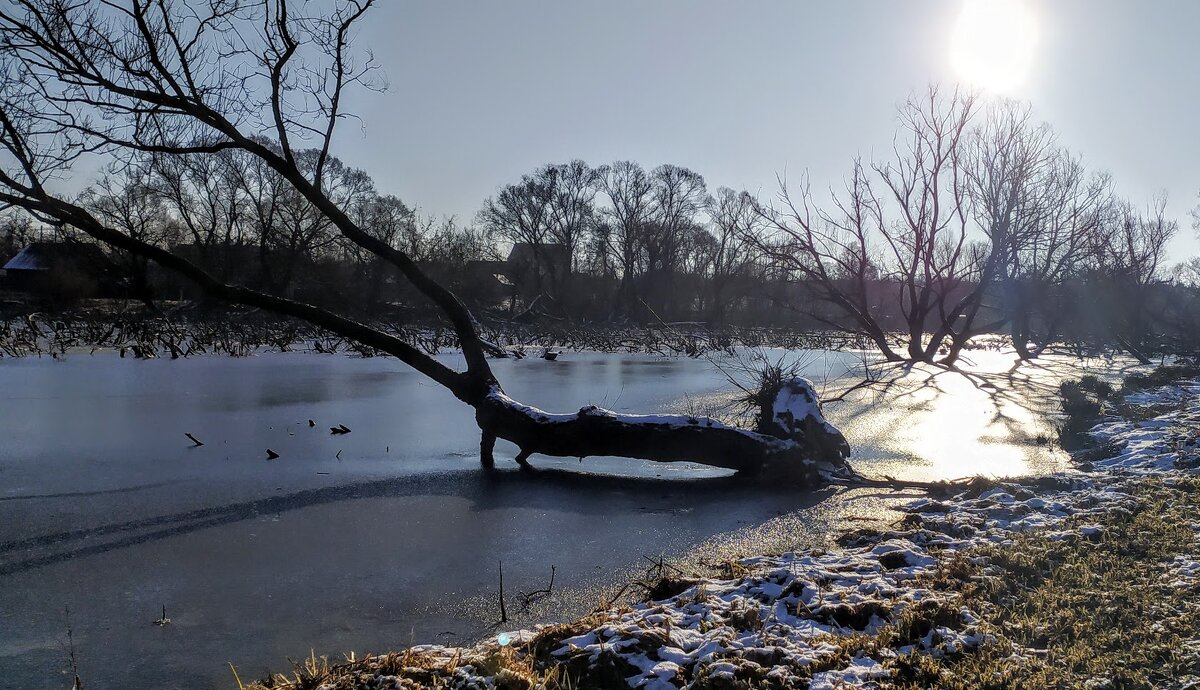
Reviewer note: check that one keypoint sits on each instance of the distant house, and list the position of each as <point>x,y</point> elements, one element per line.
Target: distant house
<point>536,265</point>
<point>64,268</point>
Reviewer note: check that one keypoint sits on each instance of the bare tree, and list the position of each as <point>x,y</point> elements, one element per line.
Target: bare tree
<point>929,251</point>
<point>574,218</point>
<point>679,195</point>
<point>292,232</point>
<point>550,212</point>
<point>967,212</point>
<point>1128,254</point>
<point>1040,211</point>
<point>1195,213</point>
<point>1187,273</point>
<point>392,222</point>
<point>629,191</point>
<point>573,204</point>
<point>125,201</point>
<point>522,214</point>
<point>205,194</point>
<point>830,256</point>
<point>17,230</point>
<point>176,79</point>
<point>1002,159</point>
<point>729,256</point>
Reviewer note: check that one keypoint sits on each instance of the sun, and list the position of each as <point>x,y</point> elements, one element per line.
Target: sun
<point>992,45</point>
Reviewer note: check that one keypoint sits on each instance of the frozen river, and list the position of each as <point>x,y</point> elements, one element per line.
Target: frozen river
<point>390,534</point>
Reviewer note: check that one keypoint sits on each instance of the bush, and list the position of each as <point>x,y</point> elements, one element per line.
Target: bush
<point>1160,377</point>
<point>1078,403</point>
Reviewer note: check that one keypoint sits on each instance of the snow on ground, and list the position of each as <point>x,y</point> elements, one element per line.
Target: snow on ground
<point>788,620</point>
<point>1165,442</point>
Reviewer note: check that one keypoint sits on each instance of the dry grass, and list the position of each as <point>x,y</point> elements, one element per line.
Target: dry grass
<point>510,669</point>
<point>1081,613</point>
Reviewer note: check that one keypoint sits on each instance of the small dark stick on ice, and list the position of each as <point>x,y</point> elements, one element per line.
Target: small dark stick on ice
<point>78,684</point>
<point>194,440</point>
<point>271,455</point>
<point>164,620</point>
<point>503,611</point>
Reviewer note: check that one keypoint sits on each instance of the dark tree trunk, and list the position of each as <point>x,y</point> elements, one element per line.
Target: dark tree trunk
<point>592,431</point>
<point>1020,337</point>
<point>1133,349</point>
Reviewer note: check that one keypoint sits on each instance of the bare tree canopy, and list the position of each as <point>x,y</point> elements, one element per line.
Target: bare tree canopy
<point>977,221</point>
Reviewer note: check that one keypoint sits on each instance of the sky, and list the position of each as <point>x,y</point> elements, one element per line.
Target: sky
<point>481,92</point>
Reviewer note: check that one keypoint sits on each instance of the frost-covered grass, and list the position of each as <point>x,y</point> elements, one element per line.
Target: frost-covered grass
<point>1111,604</point>
<point>1085,579</point>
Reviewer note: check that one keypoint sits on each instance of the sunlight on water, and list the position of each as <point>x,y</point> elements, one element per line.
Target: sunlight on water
<point>995,419</point>
<point>960,430</point>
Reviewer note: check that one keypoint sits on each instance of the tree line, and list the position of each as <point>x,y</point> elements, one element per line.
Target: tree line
<point>978,221</point>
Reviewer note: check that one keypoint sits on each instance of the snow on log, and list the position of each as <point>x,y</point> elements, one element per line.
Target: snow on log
<point>794,413</point>
<point>798,445</point>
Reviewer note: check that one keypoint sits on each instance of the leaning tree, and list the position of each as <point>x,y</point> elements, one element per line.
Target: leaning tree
<point>130,79</point>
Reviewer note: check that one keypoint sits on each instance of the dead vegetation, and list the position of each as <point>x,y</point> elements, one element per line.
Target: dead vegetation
<point>1086,400</point>
<point>1081,612</point>
<point>184,331</point>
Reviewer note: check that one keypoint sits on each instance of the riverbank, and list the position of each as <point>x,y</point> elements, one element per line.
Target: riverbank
<point>1087,578</point>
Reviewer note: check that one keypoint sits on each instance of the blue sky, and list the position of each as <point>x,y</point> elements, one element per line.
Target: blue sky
<point>481,92</point>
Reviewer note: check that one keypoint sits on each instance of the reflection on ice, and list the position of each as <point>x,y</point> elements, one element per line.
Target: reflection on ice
<point>995,417</point>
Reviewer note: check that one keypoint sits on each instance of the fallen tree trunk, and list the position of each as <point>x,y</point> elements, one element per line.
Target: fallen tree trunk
<point>812,453</point>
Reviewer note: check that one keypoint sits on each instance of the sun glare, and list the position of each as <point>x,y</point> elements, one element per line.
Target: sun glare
<point>993,42</point>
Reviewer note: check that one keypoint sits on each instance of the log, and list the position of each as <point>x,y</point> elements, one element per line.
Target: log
<point>808,451</point>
